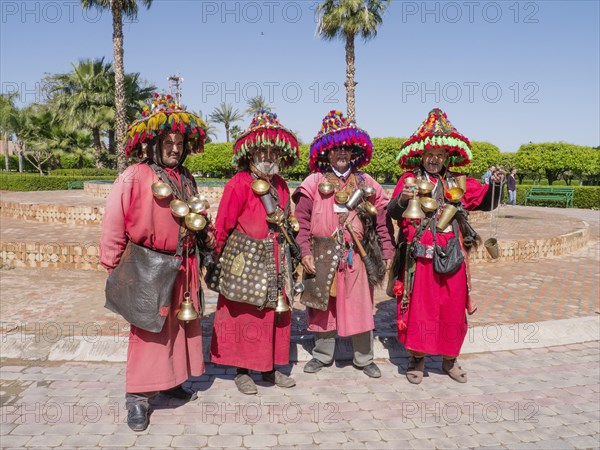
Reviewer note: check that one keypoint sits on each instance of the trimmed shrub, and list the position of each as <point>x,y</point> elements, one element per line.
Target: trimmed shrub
<point>92,172</point>
<point>33,182</point>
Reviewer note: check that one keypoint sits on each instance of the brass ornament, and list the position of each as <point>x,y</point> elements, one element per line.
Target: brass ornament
<point>260,186</point>
<point>187,311</point>
<point>428,204</point>
<point>195,222</point>
<point>455,194</point>
<point>294,224</point>
<point>369,208</point>
<point>413,211</point>
<point>446,216</point>
<point>179,208</point>
<point>424,187</point>
<point>368,190</point>
<point>197,204</point>
<point>282,304</point>
<point>410,182</point>
<point>461,182</point>
<point>341,197</point>
<point>326,188</point>
<point>161,190</point>
<point>491,245</point>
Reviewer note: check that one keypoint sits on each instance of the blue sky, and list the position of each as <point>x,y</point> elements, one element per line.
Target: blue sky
<point>505,72</point>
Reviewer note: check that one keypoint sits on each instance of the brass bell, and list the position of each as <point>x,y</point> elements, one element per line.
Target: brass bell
<point>294,224</point>
<point>187,311</point>
<point>282,304</point>
<point>461,182</point>
<point>369,208</point>
<point>341,197</point>
<point>195,222</point>
<point>196,204</point>
<point>161,190</point>
<point>446,217</point>
<point>428,204</point>
<point>413,211</point>
<point>326,188</point>
<point>424,187</point>
<point>260,186</point>
<point>179,208</point>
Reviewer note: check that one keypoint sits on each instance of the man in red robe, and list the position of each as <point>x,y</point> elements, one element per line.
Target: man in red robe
<point>249,333</point>
<point>432,304</point>
<point>341,210</point>
<point>158,362</point>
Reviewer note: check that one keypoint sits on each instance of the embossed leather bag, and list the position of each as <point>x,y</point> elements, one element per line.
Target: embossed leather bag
<point>246,271</point>
<point>326,251</point>
<point>142,285</point>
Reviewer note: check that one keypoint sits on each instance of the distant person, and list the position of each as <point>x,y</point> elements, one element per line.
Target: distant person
<point>512,187</point>
<point>488,175</point>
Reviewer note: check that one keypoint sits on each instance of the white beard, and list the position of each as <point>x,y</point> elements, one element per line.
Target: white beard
<point>267,168</point>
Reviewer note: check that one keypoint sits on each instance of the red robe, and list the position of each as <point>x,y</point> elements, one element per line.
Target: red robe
<point>155,361</point>
<point>436,322</point>
<point>244,336</point>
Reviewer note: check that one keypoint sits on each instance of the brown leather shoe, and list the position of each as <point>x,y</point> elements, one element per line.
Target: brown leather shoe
<point>245,384</point>
<point>451,367</point>
<point>279,379</point>
<point>416,367</point>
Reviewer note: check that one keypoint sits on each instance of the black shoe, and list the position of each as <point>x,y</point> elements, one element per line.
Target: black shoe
<point>313,366</point>
<point>180,393</point>
<point>137,417</point>
<point>371,370</point>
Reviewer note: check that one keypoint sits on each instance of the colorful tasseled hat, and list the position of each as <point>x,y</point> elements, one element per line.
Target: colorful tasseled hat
<point>337,131</point>
<point>435,132</point>
<point>265,130</point>
<point>166,117</point>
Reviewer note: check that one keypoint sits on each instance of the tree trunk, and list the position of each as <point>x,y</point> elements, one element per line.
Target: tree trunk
<point>5,144</point>
<point>350,84</point>
<point>116,7</point>
<point>97,145</point>
<point>111,141</point>
<point>227,133</point>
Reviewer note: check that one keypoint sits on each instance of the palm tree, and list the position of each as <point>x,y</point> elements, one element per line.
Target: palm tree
<point>84,98</point>
<point>256,104</point>
<point>235,131</point>
<point>118,8</point>
<point>226,115</point>
<point>344,19</point>
<point>7,121</point>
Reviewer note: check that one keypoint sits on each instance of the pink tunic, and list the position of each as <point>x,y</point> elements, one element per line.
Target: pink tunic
<point>351,311</point>
<point>244,336</point>
<point>436,319</point>
<point>155,361</point>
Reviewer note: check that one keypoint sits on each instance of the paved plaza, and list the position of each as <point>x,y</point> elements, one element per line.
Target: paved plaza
<point>532,357</point>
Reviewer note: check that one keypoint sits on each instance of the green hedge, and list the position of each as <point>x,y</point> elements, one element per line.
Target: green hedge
<point>92,172</point>
<point>13,164</point>
<point>586,197</point>
<point>33,182</point>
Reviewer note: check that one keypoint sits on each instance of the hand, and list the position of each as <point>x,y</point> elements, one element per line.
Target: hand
<point>497,176</point>
<point>210,241</point>
<point>388,264</point>
<point>308,263</point>
<point>406,195</point>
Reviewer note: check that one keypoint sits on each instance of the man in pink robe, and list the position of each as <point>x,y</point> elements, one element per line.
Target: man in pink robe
<point>157,362</point>
<point>336,154</point>
<point>433,320</point>
<point>246,336</point>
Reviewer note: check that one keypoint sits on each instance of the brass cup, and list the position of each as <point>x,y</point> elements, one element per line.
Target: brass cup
<point>424,187</point>
<point>341,197</point>
<point>161,190</point>
<point>455,194</point>
<point>461,182</point>
<point>179,208</point>
<point>197,205</point>
<point>491,245</point>
<point>368,190</point>
<point>294,224</point>
<point>446,216</point>
<point>369,208</point>
<point>195,222</point>
<point>260,186</point>
<point>410,182</point>
<point>326,188</point>
<point>428,204</point>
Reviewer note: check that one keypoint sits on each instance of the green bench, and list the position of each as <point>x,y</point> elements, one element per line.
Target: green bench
<point>564,194</point>
<point>75,184</point>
